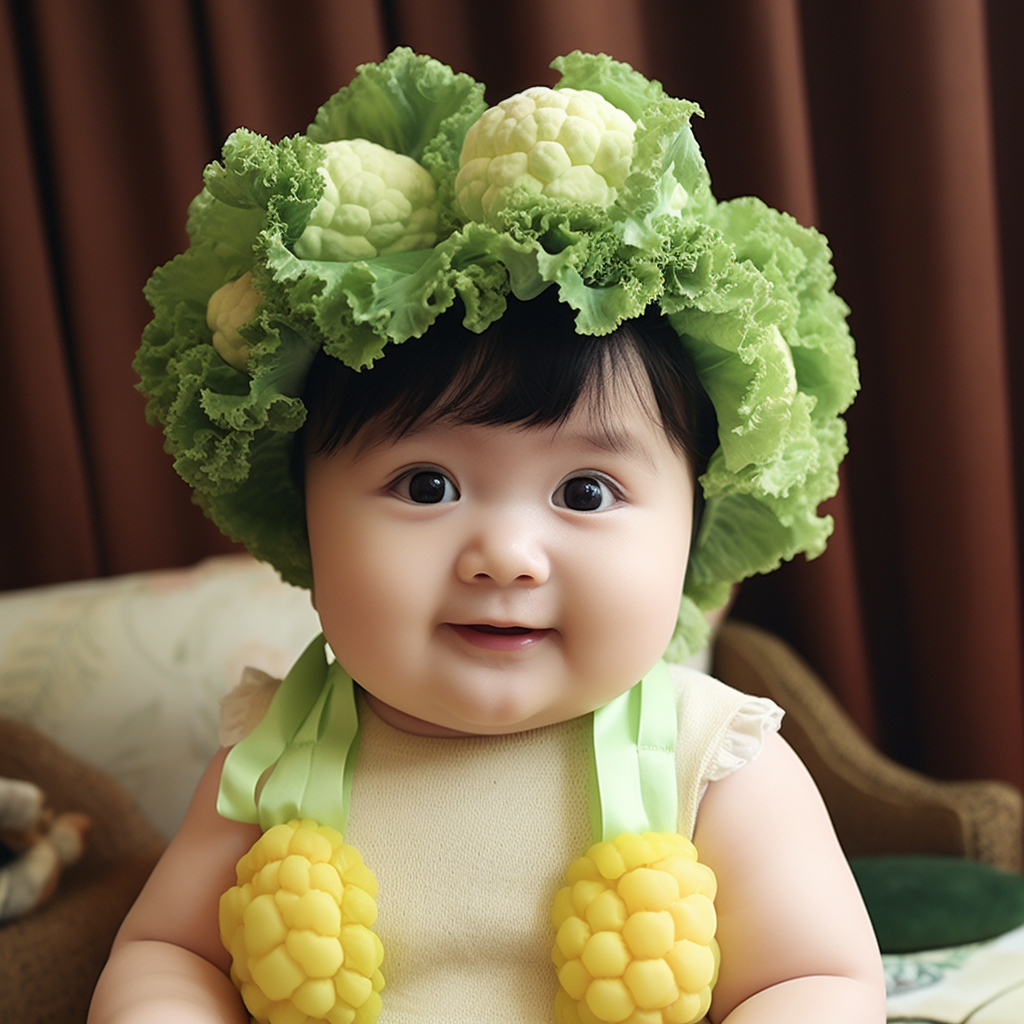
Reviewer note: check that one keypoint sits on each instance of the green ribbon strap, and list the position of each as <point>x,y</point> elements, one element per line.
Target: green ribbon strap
<point>309,738</point>
<point>633,784</point>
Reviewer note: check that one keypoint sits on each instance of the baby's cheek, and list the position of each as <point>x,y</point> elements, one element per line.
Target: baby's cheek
<point>614,637</point>
<point>642,626</point>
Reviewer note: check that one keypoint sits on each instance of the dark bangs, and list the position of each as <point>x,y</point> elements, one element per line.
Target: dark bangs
<point>530,368</point>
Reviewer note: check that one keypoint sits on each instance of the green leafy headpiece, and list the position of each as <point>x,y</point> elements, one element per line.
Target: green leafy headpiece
<point>406,193</point>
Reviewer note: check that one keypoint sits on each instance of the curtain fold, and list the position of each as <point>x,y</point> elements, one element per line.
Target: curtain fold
<point>44,460</point>
<point>892,127</point>
<point>907,187</point>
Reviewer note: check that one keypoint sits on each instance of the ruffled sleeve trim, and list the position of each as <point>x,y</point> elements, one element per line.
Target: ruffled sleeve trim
<point>744,740</point>
<point>243,708</point>
<point>721,729</point>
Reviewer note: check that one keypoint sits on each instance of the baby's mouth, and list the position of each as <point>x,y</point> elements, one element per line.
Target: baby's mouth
<point>485,627</point>
<point>499,638</point>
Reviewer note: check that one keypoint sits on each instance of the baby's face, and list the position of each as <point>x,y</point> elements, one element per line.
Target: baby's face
<point>491,579</point>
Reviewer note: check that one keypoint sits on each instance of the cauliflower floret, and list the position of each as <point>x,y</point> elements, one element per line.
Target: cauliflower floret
<point>229,308</point>
<point>375,201</point>
<point>635,933</point>
<point>565,143</point>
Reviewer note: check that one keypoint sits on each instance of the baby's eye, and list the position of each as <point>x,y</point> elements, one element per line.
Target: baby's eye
<point>585,494</point>
<point>425,487</point>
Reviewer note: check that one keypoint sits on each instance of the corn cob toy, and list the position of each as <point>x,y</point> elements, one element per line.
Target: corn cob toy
<point>299,925</point>
<point>635,923</point>
<point>635,933</point>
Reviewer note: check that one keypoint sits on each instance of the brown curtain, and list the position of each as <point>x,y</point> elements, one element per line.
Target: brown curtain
<point>894,127</point>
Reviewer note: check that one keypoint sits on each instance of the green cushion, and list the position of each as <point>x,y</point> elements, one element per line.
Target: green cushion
<point>922,902</point>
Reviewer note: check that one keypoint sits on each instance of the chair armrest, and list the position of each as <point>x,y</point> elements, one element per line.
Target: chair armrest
<point>877,805</point>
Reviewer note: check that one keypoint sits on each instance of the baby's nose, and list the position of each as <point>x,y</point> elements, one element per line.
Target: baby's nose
<point>505,549</point>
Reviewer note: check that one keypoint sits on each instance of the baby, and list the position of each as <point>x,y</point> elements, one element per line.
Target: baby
<point>504,523</point>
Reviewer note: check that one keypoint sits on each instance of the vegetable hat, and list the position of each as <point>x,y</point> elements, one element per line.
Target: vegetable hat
<point>406,193</point>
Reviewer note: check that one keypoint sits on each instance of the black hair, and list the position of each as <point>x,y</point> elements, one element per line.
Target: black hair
<point>529,368</point>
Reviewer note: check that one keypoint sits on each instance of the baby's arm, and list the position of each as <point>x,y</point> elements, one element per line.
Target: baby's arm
<point>167,963</point>
<point>797,944</point>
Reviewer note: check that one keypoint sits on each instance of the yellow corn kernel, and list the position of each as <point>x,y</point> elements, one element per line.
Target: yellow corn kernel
<point>609,1000</point>
<point>572,937</point>
<point>608,860</point>
<point>257,1003</point>
<point>692,965</point>
<point>359,906</point>
<point>264,926</point>
<point>342,1014</point>
<point>562,908</point>
<point>694,918</point>
<point>326,878</point>
<point>316,911</point>
<point>267,879</point>
<point>606,955</point>
<point>607,912</point>
<point>649,934</point>
<point>688,1007</point>
<point>319,956</point>
<point>692,876</point>
<point>294,874</point>
<point>584,892</point>
<point>575,979</point>
<point>639,1016</point>
<point>277,974</point>
<point>651,983</point>
<point>286,1013</point>
<point>274,845</point>
<point>314,997</point>
<point>565,1009</point>
<point>361,877</point>
<point>311,846</point>
<point>353,988</point>
<point>362,949</point>
<point>635,850</point>
<point>647,889</point>
<point>582,869</point>
<point>370,1010</point>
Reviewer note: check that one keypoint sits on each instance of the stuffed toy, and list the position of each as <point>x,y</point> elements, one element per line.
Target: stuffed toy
<point>35,846</point>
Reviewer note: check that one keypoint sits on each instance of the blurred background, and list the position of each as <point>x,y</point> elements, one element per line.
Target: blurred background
<point>895,128</point>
